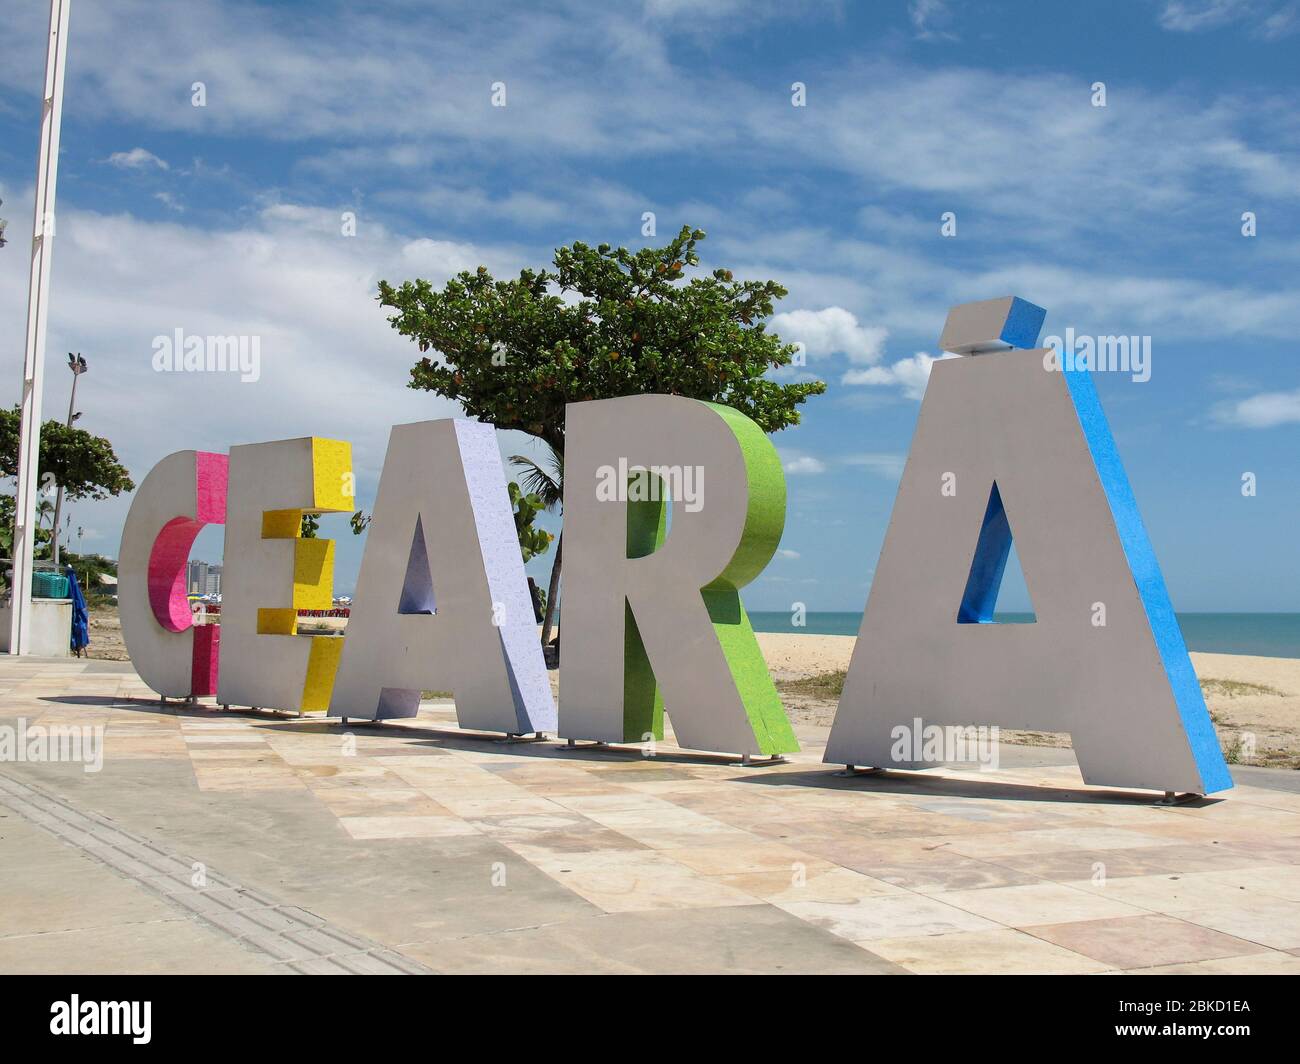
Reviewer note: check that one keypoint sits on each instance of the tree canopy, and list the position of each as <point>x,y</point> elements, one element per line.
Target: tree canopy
<point>604,322</point>
<point>83,464</point>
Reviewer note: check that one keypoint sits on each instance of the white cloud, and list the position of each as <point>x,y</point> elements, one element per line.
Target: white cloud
<point>1188,16</point>
<point>731,16</point>
<point>906,294</point>
<point>1166,306</point>
<point>667,9</point>
<point>791,554</point>
<point>1269,20</point>
<point>799,465</point>
<point>1183,148</point>
<point>889,466</point>
<point>137,159</point>
<point>330,363</point>
<point>1263,411</point>
<point>830,331</point>
<point>931,19</point>
<point>1281,23</point>
<point>579,78</point>
<point>597,82</point>
<point>908,374</point>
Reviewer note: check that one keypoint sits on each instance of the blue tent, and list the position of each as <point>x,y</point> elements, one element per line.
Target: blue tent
<point>80,630</point>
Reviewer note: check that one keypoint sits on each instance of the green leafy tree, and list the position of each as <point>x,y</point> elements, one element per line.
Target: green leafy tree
<point>311,524</point>
<point>83,464</point>
<point>42,547</point>
<point>604,322</point>
<point>526,507</point>
<point>90,568</point>
<point>547,483</point>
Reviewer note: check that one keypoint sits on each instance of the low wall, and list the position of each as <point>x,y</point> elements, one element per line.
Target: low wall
<point>51,628</point>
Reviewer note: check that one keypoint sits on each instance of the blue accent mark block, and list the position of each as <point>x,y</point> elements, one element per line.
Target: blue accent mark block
<point>991,552</point>
<point>989,564</point>
<point>1024,323</point>
<point>992,325</point>
<point>1150,583</point>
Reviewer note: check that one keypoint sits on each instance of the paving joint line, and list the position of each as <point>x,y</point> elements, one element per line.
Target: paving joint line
<point>292,939</point>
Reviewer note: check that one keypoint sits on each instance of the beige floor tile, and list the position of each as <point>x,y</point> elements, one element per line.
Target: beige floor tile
<point>405,827</point>
<point>1176,892</point>
<point>1249,814</point>
<point>546,845</point>
<point>637,880</point>
<point>1266,921</point>
<point>1189,829</point>
<point>815,881</point>
<point>668,827</point>
<point>1272,962</point>
<point>888,916</point>
<point>1037,903</point>
<point>520,805</point>
<point>1051,840</point>
<point>1278,881</point>
<point>363,805</point>
<point>674,838</point>
<point>1143,941</point>
<point>526,826</point>
<point>613,799</point>
<point>738,859</point>
<point>234,754</point>
<point>1263,848</point>
<point>1000,952</point>
<point>940,872</point>
<point>351,771</point>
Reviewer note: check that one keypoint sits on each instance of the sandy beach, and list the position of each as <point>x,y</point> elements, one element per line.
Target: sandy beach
<point>1254,702</point>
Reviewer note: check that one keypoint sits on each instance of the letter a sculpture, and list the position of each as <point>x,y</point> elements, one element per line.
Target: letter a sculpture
<point>1008,441</point>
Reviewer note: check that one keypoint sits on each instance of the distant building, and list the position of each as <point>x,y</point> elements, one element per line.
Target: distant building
<point>196,580</point>
<point>203,578</point>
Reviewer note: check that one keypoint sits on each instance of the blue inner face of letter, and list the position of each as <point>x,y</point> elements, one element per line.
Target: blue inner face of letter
<point>988,566</point>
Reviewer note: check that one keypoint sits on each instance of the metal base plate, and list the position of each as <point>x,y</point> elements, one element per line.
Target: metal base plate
<point>748,761</point>
<point>1174,798</point>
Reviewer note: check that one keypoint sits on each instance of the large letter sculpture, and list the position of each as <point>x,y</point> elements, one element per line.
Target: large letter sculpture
<point>181,494</point>
<point>652,621</point>
<point>272,572</point>
<point>442,600</point>
<point>1006,443</point>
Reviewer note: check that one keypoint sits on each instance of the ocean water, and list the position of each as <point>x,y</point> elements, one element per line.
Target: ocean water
<point>1268,635</point>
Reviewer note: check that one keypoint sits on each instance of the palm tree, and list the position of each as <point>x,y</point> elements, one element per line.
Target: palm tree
<point>44,512</point>
<point>548,485</point>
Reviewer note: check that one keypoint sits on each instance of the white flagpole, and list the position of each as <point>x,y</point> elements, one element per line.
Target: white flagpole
<point>38,292</point>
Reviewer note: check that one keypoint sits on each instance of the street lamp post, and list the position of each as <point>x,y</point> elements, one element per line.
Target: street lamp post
<point>78,366</point>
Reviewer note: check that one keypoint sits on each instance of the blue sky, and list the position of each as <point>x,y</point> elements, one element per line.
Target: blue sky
<point>1123,219</point>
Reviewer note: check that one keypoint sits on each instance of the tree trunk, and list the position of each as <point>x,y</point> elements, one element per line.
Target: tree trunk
<point>553,592</point>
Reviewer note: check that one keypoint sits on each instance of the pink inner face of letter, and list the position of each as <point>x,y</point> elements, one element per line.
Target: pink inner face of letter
<point>171,550</point>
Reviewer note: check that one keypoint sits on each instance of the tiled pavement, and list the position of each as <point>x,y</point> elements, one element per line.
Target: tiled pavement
<point>414,846</point>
